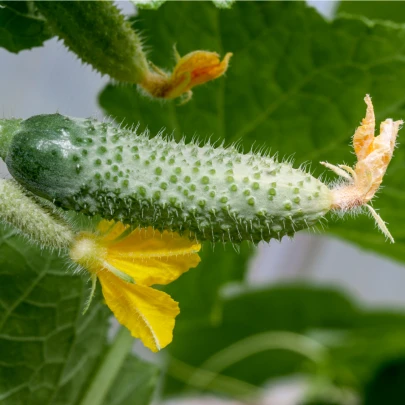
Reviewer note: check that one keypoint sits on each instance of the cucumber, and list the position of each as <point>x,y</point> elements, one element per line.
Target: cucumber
<point>214,193</point>
<point>98,33</point>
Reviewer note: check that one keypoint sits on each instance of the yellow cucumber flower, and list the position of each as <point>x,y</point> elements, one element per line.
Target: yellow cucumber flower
<point>191,70</point>
<point>127,262</point>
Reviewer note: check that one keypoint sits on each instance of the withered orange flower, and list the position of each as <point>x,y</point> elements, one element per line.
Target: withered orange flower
<point>373,153</point>
<point>191,70</point>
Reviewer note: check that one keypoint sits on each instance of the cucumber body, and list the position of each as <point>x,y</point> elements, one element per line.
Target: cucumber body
<point>98,33</point>
<point>217,194</point>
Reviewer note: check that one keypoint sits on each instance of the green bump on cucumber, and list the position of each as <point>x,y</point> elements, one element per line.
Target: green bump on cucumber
<point>217,194</point>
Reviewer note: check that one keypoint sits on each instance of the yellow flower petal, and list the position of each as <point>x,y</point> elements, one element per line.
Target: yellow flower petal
<point>151,257</point>
<point>120,257</point>
<point>191,70</point>
<point>147,255</point>
<point>110,230</point>
<point>149,314</point>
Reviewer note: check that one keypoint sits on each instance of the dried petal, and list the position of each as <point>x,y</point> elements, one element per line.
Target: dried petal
<point>373,153</point>
<point>193,69</point>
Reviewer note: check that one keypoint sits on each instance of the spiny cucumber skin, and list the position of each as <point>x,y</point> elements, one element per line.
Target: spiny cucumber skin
<point>97,32</point>
<point>217,194</point>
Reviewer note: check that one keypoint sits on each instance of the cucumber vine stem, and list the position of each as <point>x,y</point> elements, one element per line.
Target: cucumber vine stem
<point>100,35</point>
<point>255,344</point>
<point>109,368</point>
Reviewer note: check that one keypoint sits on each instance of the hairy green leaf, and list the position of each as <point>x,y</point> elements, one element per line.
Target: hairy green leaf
<point>296,85</point>
<point>50,353</point>
<point>20,27</point>
<point>48,348</point>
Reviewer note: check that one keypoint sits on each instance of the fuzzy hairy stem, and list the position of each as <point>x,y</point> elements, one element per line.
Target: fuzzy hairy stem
<point>40,224</point>
<point>98,33</point>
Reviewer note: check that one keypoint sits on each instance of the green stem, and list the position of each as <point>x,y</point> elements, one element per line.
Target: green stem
<point>221,383</point>
<point>40,223</point>
<point>252,345</point>
<point>108,369</point>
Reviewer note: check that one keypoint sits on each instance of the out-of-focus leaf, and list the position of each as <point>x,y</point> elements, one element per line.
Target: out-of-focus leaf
<point>375,10</point>
<point>356,342</point>
<point>387,385</point>
<point>198,290</point>
<point>155,4</point>
<point>283,308</point>
<point>361,351</point>
<point>21,28</point>
<point>148,4</point>
<point>296,84</point>
<point>22,7</point>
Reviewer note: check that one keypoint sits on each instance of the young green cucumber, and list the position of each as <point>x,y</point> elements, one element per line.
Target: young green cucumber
<point>98,33</point>
<point>217,194</point>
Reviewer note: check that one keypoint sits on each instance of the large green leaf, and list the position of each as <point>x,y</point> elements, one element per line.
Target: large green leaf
<point>20,27</point>
<point>375,10</point>
<point>155,4</point>
<point>49,352</point>
<point>48,348</point>
<point>296,84</point>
